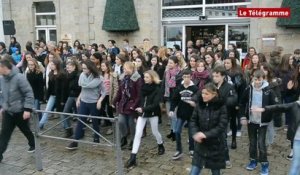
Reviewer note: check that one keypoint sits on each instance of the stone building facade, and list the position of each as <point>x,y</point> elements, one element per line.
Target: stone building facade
<point>79,19</point>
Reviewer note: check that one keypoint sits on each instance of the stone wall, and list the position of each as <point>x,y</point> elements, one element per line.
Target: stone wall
<point>266,27</point>
<point>78,19</point>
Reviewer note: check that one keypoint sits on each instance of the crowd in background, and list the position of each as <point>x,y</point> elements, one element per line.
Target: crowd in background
<point>208,89</point>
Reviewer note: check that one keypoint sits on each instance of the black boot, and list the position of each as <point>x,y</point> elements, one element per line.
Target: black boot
<point>132,161</point>
<point>170,135</point>
<point>123,141</point>
<point>173,137</point>
<point>161,149</point>
<point>69,132</point>
<point>130,145</point>
<point>233,143</point>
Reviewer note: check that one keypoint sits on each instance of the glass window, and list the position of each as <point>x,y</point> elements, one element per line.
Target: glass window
<point>205,33</point>
<point>52,33</point>
<point>41,34</point>
<point>43,20</point>
<point>189,12</point>
<point>222,12</point>
<point>172,35</point>
<point>44,7</point>
<point>239,35</point>
<point>181,2</point>
<point>225,1</point>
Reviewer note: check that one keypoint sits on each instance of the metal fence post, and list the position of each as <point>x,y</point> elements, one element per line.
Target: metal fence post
<point>118,149</point>
<point>38,153</point>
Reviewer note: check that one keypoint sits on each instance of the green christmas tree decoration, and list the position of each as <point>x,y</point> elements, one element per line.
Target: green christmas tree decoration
<point>120,16</point>
<point>294,20</point>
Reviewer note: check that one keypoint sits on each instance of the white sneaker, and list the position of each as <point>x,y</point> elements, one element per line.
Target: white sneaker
<point>239,134</point>
<point>229,133</point>
<point>109,131</point>
<point>177,155</point>
<point>228,164</point>
<point>191,154</point>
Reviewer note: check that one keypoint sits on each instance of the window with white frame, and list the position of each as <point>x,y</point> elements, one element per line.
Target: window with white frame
<point>45,21</point>
<point>192,9</point>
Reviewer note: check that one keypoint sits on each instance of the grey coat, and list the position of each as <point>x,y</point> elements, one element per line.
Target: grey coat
<point>17,94</point>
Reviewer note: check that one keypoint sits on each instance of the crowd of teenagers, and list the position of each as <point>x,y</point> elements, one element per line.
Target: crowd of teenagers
<point>207,90</point>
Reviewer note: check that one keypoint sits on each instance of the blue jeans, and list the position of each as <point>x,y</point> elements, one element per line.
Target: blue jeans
<point>70,106</point>
<point>174,118</point>
<point>196,171</point>
<point>49,107</point>
<point>295,166</point>
<point>270,134</point>
<point>87,109</point>
<point>37,106</point>
<point>179,125</point>
<point>126,122</point>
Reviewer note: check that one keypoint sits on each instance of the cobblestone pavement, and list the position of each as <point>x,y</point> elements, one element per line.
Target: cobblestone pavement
<point>89,159</point>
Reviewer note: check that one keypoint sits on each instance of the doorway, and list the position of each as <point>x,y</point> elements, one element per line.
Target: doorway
<point>205,34</point>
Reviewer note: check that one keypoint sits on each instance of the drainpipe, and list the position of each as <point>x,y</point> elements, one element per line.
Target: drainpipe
<point>1,23</point>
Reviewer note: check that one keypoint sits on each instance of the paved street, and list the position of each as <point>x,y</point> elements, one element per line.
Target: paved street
<point>89,159</point>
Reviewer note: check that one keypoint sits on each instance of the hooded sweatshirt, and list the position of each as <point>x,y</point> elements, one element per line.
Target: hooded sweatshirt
<point>257,96</point>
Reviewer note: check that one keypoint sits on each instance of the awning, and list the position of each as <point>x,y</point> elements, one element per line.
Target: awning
<point>120,16</point>
<point>294,20</point>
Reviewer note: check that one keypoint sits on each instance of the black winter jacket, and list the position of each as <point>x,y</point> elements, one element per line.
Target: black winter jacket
<point>211,119</point>
<point>57,86</point>
<point>238,81</point>
<point>267,99</point>
<point>73,87</point>
<point>228,94</point>
<point>150,100</point>
<point>294,109</point>
<point>37,84</point>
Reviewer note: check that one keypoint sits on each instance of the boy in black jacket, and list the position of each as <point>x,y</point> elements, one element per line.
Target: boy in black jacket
<point>181,98</point>
<point>229,96</point>
<point>257,95</point>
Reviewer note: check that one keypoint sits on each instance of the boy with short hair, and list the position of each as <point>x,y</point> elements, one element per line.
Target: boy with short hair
<point>297,57</point>
<point>182,95</point>
<point>257,95</point>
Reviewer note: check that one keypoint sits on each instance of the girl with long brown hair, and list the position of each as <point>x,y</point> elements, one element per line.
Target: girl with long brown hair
<point>110,80</point>
<point>56,91</point>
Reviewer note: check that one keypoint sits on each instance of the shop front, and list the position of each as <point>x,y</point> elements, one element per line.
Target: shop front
<point>202,20</point>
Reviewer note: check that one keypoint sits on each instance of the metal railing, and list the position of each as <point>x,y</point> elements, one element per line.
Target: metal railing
<point>39,134</point>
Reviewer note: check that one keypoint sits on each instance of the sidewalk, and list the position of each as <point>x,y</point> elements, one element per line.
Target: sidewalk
<point>90,160</point>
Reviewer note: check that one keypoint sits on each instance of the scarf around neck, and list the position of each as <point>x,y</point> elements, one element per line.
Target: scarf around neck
<point>171,80</point>
<point>201,77</point>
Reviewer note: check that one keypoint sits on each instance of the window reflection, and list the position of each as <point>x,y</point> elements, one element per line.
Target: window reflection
<point>173,35</point>
<point>42,20</point>
<point>181,2</point>
<point>225,1</point>
<point>239,35</point>
<point>44,7</point>
<point>222,12</point>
